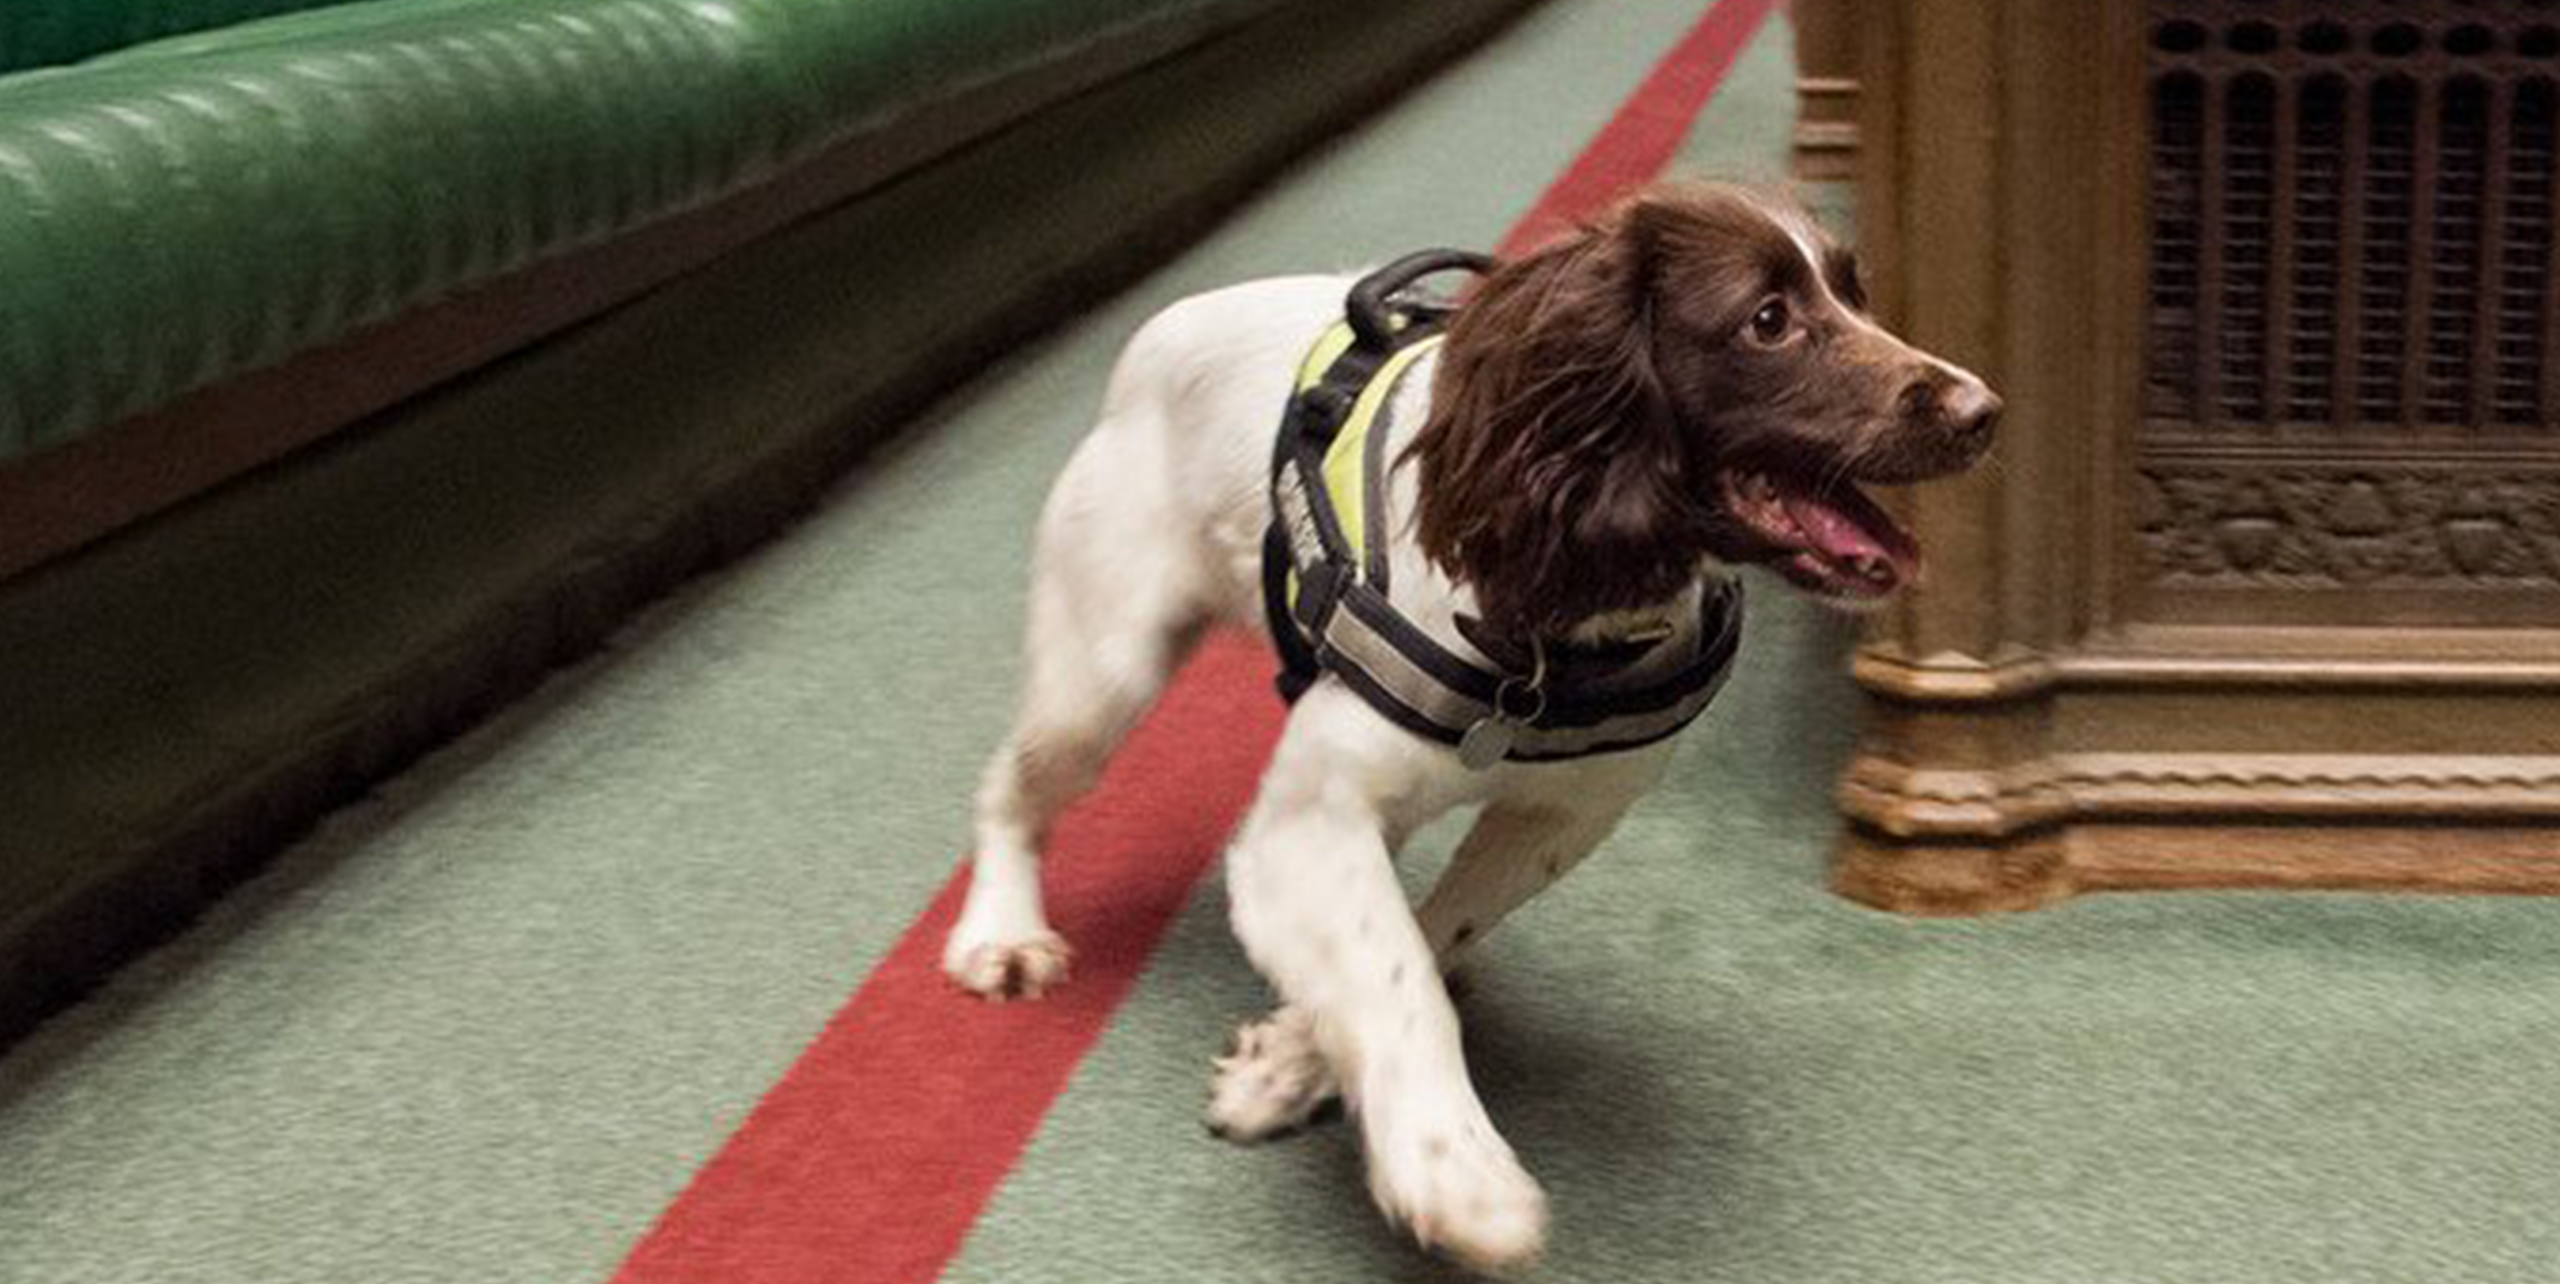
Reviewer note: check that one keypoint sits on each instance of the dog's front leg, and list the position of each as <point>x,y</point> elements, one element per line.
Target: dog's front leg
<point>1317,905</point>
<point>1520,846</point>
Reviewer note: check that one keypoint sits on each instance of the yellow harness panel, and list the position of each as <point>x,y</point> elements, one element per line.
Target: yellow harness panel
<point>1329,349</point>
<point>1346,461</point>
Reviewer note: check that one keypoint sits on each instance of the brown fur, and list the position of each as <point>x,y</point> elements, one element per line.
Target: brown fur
<point>1590,393</point>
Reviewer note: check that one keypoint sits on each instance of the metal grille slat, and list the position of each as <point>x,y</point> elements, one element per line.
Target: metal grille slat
<point>2526,270</point>
<point>2490,264</point>
<point>2427,165</point>
<point>2391,185</point>
<point>2209,313</point>
<point>2350,283</point>
<point>2177,266</point>
<point>2539,141</point>
<point>2248,220</point>
<point>2312,158</point>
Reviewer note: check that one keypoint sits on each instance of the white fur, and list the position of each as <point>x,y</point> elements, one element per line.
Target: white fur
<point>1152,535</point>
<point>1969,392</point>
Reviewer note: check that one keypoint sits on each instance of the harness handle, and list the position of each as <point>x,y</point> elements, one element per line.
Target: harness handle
<point>1371,307</point>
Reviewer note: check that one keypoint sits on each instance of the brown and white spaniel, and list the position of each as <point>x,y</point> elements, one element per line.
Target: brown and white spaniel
<point>1689,384</point>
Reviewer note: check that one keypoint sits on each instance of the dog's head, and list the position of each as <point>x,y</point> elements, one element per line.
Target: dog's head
<point>1694,376</point>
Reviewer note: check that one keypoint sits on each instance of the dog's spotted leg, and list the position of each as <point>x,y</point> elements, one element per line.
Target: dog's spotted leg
<point>1317,905</point>
<point>1519,849</point>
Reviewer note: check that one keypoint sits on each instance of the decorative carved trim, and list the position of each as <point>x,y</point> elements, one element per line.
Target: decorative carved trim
<point>2318,667</point>
<point>1938,802</point>
<point>2248,524</point>
<point>2312,784</point>
<point>1950,677</point>
<point>2201,657</point>
<point>1909,802</point>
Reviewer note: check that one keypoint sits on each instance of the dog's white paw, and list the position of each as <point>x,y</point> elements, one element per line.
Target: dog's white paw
<point>1458,1188</point>
<point>1273,1081</point>
<point>1020,968</point>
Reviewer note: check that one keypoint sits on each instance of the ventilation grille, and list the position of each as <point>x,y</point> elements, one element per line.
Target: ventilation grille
<point>2352,219</point>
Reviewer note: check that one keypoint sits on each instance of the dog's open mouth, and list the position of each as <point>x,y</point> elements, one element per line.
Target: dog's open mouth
<point>1828,537</point>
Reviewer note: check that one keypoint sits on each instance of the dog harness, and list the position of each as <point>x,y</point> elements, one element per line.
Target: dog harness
<point>1325,569</point>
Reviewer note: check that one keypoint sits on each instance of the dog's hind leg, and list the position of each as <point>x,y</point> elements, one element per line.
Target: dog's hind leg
<point>1113,610</point>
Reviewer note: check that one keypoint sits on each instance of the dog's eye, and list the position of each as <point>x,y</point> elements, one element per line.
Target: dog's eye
<point>1853,290</point>
<point>1769,324</point>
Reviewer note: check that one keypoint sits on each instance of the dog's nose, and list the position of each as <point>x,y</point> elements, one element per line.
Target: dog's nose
<point>1971,411</point>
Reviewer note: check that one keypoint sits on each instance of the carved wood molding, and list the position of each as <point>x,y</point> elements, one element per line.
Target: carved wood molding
<point>1913,802</point>
<point>1950,677</point>
<point>2314,784</point>
<point>1952,802</point>
<point>2306,526</point>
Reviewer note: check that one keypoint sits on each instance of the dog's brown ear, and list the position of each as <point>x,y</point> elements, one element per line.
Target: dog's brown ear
<point>1553,478</point>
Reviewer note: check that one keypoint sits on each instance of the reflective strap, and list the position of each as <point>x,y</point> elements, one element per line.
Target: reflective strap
<point>1351,640</point>
<point>1430,706</point>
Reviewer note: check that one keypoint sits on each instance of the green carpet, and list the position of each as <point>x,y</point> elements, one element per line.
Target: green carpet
<point>483,1027</point>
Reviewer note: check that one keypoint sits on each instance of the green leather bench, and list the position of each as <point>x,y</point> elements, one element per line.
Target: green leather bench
<point>176,213</point>
<point>361,362</point>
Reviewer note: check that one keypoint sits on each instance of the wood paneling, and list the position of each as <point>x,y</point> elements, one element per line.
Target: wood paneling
<point>2264,586</point>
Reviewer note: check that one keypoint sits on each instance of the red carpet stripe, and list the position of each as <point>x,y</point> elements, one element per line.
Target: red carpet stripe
<point>1639,142</point>
<point>871,1159</point>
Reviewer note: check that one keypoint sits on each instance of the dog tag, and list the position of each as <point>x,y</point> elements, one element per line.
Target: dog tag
<point>1487,742</point>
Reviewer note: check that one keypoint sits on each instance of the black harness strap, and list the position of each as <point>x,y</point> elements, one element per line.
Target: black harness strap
<point>1382,322</point>
<point>1298,667</point>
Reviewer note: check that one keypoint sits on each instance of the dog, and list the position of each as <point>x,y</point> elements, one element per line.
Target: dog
<point>1687,384</point>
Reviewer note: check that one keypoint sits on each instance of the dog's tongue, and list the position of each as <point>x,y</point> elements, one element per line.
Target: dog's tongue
<point>1847,529</point>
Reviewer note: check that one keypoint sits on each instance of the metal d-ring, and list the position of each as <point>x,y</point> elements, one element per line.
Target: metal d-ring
<point>1535,684</point>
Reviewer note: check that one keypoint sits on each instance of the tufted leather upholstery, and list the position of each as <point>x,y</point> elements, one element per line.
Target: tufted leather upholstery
<point>185,210</point>
<point>41,33</point>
